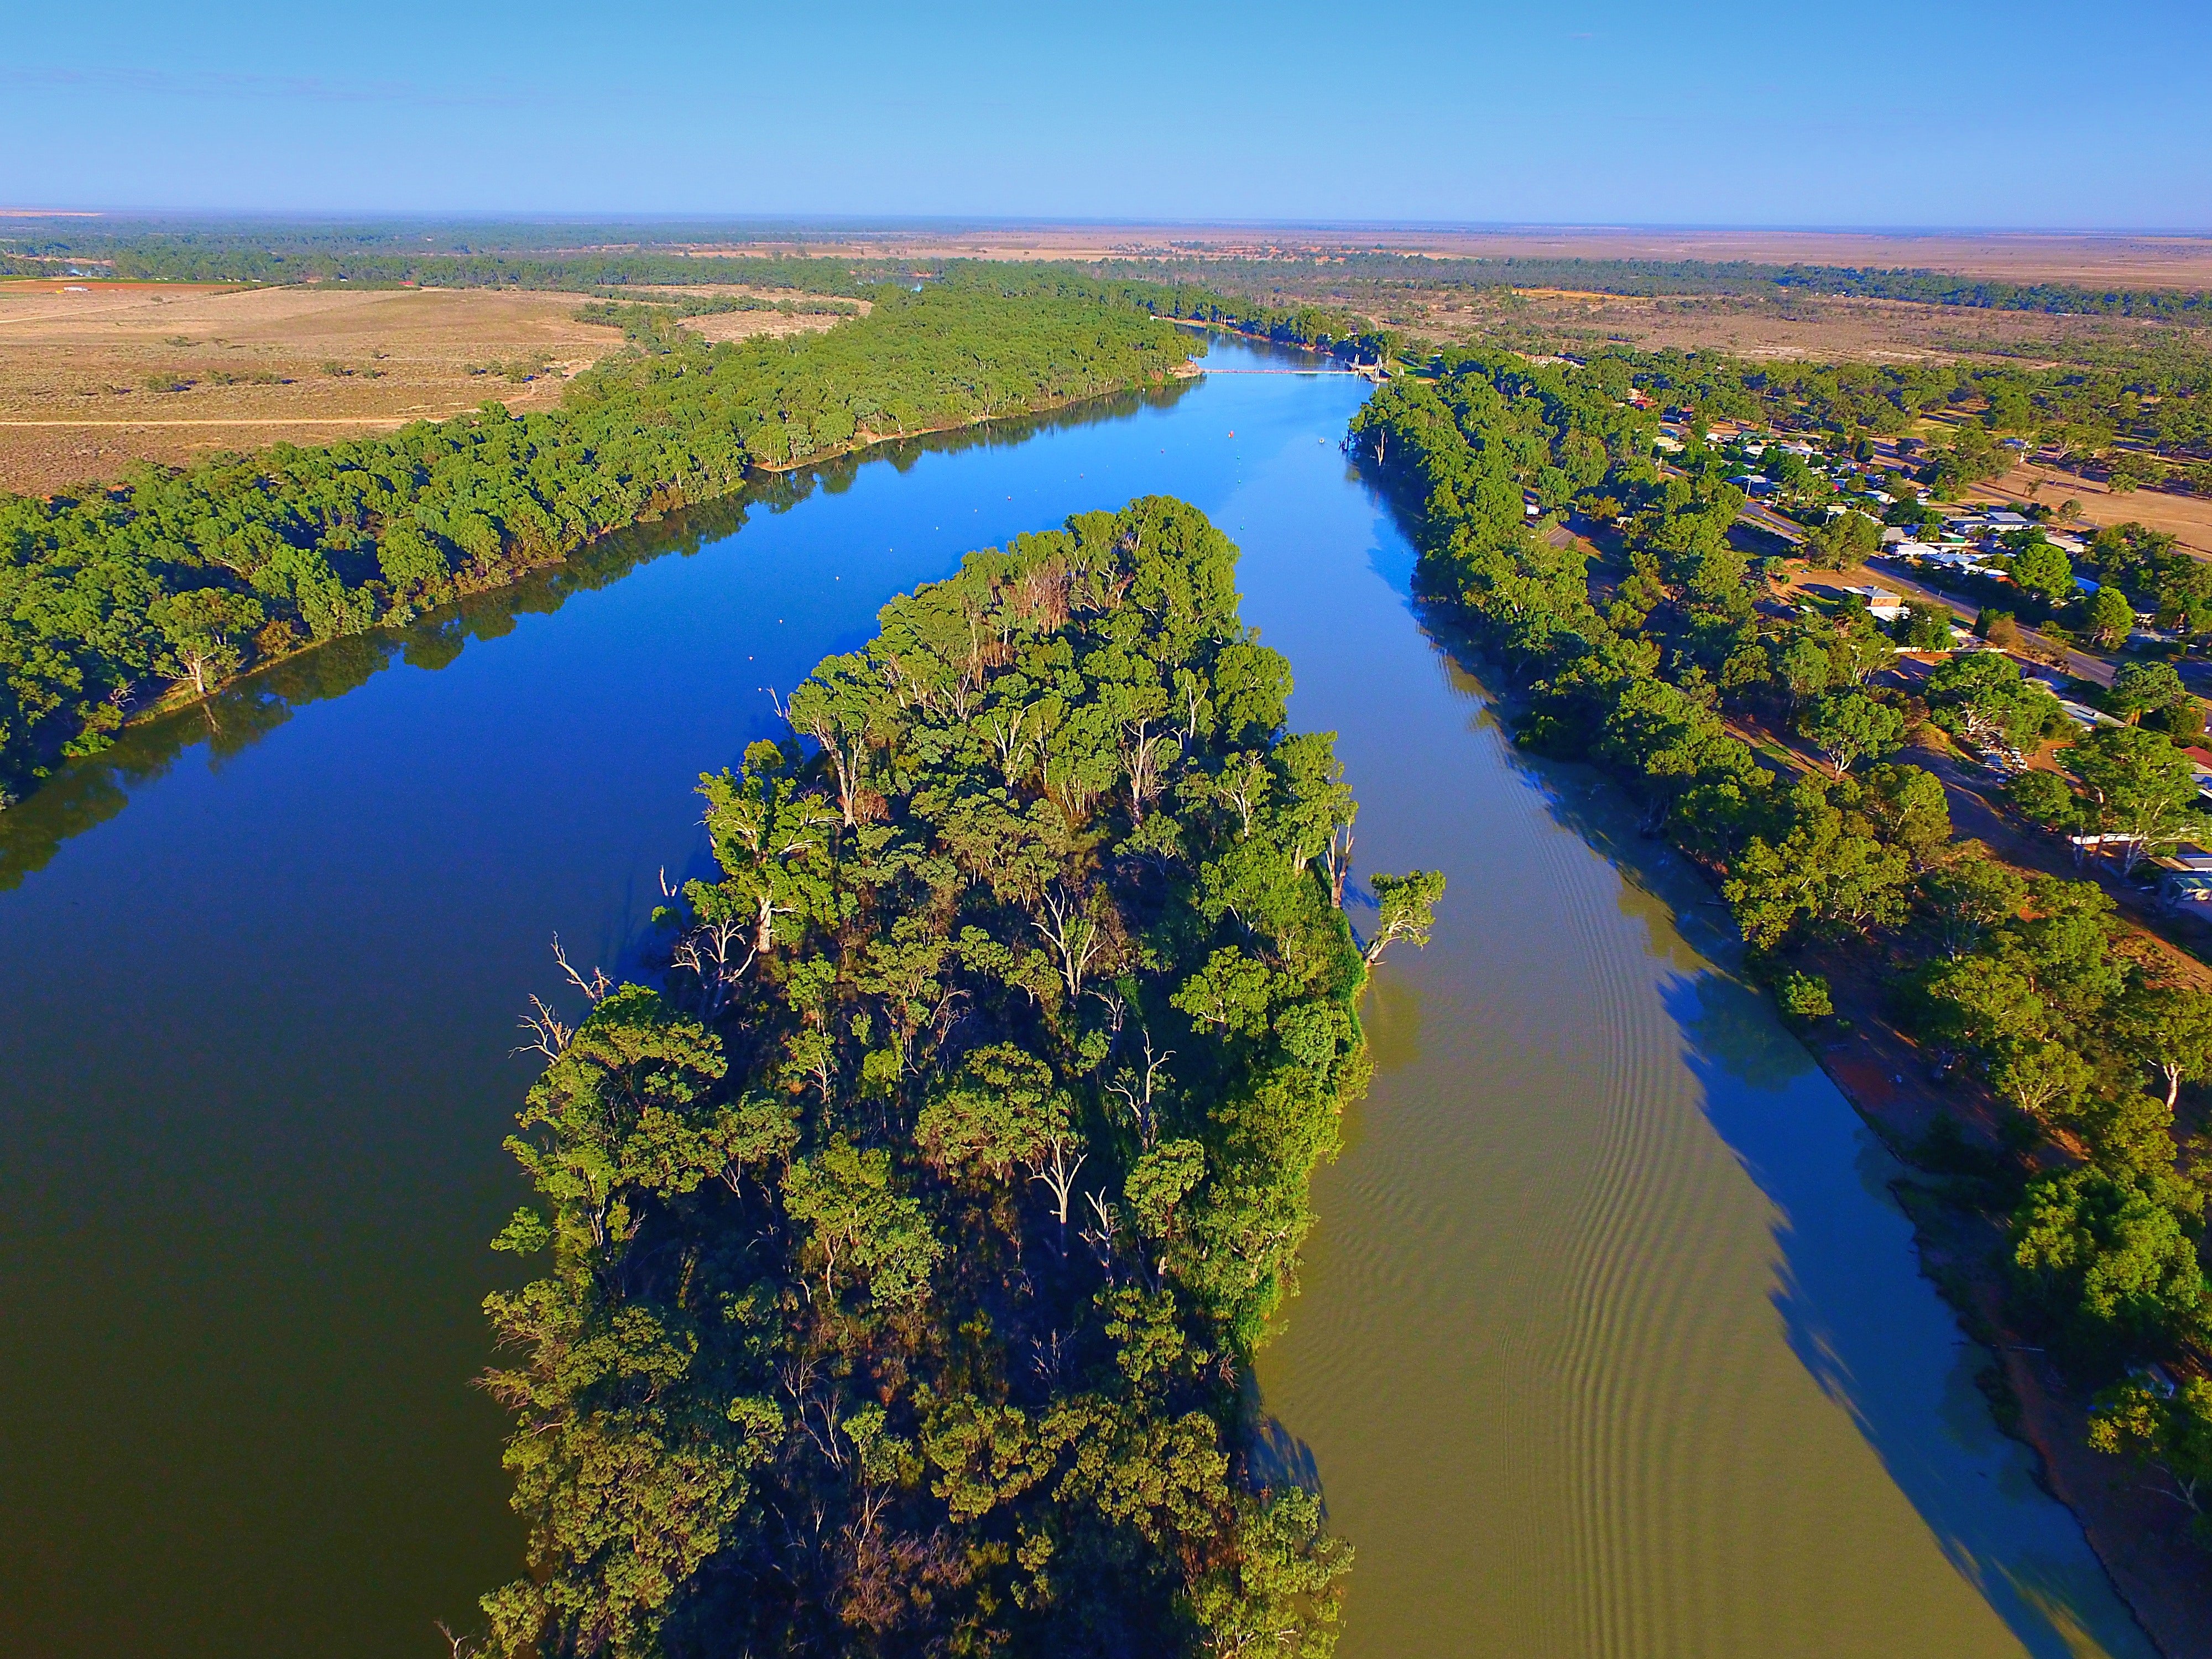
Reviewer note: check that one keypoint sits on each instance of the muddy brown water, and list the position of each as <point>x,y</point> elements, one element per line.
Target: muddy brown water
<point>1611,1340</point>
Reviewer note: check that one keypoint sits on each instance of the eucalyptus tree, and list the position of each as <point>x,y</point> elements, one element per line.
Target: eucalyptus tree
<point>909,1251</point>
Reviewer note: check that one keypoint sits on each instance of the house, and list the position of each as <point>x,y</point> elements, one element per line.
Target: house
<point>1881,602</point>
<point>1753,483</point>
<point>2084,716</point>
<point>2185,880</point>
<point>1958,561</point>
<point>2003,519</point>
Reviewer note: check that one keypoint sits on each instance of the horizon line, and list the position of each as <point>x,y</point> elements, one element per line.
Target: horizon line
<point>897,221</point>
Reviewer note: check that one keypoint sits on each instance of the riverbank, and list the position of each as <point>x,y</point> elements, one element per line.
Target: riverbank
<point>2164,1580</point>
<point>864,440</point>
<point>2137,1530</point>
<point>468,585</point>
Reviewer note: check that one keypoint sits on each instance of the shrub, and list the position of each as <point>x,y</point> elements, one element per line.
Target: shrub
<point>1804,996</point>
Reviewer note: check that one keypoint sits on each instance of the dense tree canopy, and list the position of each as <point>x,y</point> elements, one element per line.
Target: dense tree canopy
<point>189,576</point>
<point>2019,982</point>
<point>908,1253</point>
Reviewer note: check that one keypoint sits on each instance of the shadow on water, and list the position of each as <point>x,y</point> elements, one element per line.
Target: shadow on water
<point>86,792</point>
<point>1777,1112</point>
<point>1274,1458</point>
<point>1829,1180</point>
<point>1805,1148</point>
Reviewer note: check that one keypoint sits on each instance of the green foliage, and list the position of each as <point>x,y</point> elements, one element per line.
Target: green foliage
<point>1846,726</point>
<point>2041,571</point>
<point>910,1251</point>
<point>2113,1255</point>
<point>1847,539</point>
<point>2139,785</point>
<point>2111,618</point>
<point>1804,996</point>
<point>2143,688</point>
<point>1926,628</point>
<point>104,598</point>
<point>2045,799</point>
<point>1404,908</point>
<point>1980,696</point>
<point>2015,978</point>
<point>2168,1428</point>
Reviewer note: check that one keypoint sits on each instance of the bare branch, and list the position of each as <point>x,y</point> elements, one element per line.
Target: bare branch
<point>548,1035</point>
<point>1058,1175</point>
<point>595,987</point>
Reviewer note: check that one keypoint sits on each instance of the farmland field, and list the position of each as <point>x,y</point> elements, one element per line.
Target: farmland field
<point>96,376</point>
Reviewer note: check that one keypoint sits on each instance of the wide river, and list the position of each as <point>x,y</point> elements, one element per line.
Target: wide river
<point>1611,1339</point>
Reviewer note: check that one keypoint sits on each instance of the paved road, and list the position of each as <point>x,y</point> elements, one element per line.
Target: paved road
<point>1893,574</point>
<point>1765,518</point>
<point>2079,664</point>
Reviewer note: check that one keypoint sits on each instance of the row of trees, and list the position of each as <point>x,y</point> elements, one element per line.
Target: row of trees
<point>909,1254</point>
<point>189,576</point>
<point>2025,982</point>
<point>2148,414</point>
<point>1383,271</point>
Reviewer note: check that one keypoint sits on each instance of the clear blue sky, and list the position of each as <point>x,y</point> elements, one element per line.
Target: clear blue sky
<point>1882,113</point>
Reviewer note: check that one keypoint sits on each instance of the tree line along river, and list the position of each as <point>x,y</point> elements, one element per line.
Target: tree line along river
<point>1612,1341</point>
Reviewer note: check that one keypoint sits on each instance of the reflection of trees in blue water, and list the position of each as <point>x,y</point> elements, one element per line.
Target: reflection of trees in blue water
<point>87,792</point>
<point>1864,1322</point>
<point>1855,1308</point>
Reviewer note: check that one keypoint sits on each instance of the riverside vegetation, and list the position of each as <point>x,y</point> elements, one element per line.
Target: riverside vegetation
<point>2026,981</point>
<point>180,580</point>
<point>909,1250</point>
<point>188,578</point>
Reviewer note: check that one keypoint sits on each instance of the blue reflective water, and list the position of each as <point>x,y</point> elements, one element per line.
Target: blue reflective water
<point>1607,1345</point>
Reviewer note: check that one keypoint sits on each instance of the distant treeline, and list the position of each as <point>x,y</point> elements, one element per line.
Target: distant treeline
<point>171,260</point>
<point>1316,327</point>
<point>102,236</point>
<point>582,256</point>
<point>1657,278</point>
<point>191,576</point>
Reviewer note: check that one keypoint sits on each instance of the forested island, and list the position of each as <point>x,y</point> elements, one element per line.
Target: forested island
<point>907,1254</point>
<point>2023,982</point>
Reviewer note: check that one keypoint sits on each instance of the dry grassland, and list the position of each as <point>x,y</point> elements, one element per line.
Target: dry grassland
<point>96,376</point>
<point>750,325</point>
<point>1807,328</point>
<point>2187,519</point>
<point>2023,257</point>
<point>83,367</point>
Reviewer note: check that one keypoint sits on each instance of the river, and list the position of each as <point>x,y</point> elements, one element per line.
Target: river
<point>1611,1340</point>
